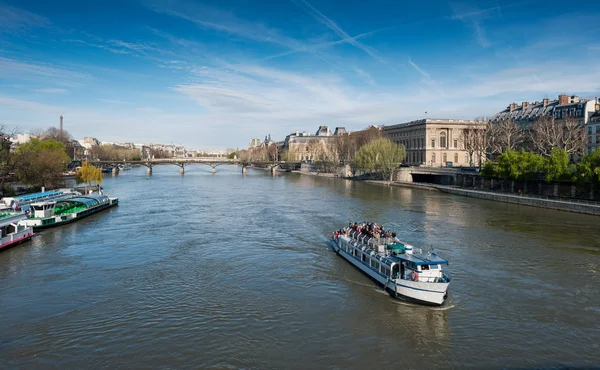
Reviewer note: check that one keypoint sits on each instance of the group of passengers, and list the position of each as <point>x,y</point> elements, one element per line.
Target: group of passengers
<point>371,229</point>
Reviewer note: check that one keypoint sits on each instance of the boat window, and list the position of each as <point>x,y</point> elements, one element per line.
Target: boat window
<point>424,267</point>
<point>433,267</point>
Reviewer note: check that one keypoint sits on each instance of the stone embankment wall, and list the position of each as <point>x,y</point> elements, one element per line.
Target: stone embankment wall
<point>563,205</point>
<point>565,190</point>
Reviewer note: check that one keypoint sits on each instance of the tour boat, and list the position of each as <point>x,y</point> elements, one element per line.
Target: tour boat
<point>55,213</point>
<point>11,233</point>
<point>20,201</point>
<point>402,271</point>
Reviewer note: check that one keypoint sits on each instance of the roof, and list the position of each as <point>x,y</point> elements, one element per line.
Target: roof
<point>34,196</point>
<point>434,121</point>
<point>90,200</point>
<point>9,219</point>
<point>533,111</point>
<point>422,259</point>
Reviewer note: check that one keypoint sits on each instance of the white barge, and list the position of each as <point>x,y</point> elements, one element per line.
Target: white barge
<point>55,213</point>
<point>403,273</point>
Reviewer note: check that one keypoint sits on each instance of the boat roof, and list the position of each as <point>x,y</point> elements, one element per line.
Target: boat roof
<point>33,196</point>
<point>7,220</point>
<point>88,200</point>
<point>43,203</point>
<point>422,259</point>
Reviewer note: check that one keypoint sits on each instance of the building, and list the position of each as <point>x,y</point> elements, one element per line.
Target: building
<point>564,107</point>
<point>434,142</point>
<point>593,132</point>
<point>303,146</point>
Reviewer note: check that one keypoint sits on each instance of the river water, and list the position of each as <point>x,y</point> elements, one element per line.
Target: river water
<point>232,271</point>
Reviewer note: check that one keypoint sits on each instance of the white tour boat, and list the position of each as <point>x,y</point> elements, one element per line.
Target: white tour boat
<point>396,266</point>
<point>11,233</point>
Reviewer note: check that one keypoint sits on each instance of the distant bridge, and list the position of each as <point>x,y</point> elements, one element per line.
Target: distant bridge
<point>213,162</point>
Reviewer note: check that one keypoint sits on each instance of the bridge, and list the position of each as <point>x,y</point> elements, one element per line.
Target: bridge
<point>436,175</point>
<point>213,162</point>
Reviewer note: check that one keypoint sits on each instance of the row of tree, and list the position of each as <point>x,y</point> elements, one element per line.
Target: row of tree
<point>524,165</point>
<point>540,136</point>
<point>109,152</point>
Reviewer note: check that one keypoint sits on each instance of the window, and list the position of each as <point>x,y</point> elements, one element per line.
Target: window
<point>455,158</point>
<point>455,144</point>
<point>467,158</point>
<point>444,158</point>
<point>423,143</point>
<point>433,142</point>
<point>442,140</point>
<point>432,157</point>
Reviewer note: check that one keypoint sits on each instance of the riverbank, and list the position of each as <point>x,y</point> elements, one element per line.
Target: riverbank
<point>584,207</point>
<point>525,200</point>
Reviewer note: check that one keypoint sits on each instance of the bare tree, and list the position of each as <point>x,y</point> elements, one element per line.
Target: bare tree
<point>469,141</point>
<point>504,135</point>
<point>566,134</point>
<point>7,157</point>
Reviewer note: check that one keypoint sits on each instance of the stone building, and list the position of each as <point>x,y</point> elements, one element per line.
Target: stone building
<point>434,142</point>
<point>565,106</point>
<point>593,132</point>
<point>304,146</point>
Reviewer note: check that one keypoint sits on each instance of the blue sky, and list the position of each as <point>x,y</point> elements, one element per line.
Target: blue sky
<point>211,74</point>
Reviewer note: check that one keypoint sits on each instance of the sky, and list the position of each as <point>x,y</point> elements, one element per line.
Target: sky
<point>213,74</point>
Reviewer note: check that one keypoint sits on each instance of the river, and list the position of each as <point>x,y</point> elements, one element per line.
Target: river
<point>232,271</point>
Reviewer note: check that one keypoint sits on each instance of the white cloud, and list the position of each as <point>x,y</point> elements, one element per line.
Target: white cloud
<point>365,76</point>
<point>15,20</point>
<point>11,68</point>
<point>320,17</point>
<point>52,91</point>
<point>424,74</point>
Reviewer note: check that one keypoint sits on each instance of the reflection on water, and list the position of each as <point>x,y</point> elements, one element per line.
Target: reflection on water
<point>229,271</point>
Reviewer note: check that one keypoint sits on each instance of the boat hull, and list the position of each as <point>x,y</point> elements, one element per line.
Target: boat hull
<point>16,241</point>
<point>420,292</point>
<point>63,220</point>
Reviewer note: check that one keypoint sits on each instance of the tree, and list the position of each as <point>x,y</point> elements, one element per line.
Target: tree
<point>380,155</point>
<point>557,166</point>
<point>504,135</point>
<point>41,163</point>
<point>53,133</point>
<point>7,157</point>
<point>589,167</point>
<point>109,152</point>
<point>88,173</point>
<point>469,141</point>
<point>567,134</point>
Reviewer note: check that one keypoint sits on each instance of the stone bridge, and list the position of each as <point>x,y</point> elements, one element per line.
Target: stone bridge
<point>213,162</point>
<point>436,175</point>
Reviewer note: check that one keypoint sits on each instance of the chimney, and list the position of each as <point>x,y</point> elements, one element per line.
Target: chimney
<point>524,105</point>
<point>512,106</point>
<point>563,99</point>
<point>60,130</point>
<point>546,101</point>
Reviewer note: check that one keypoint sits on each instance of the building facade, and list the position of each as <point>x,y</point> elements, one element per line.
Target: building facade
<point>573,107</point>
<point>593,132</point>
<point>435,142</point>
<point>304,146</point>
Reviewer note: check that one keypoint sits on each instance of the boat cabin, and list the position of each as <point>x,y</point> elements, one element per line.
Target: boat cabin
<point>421,267</point>
<point>42,209</point>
